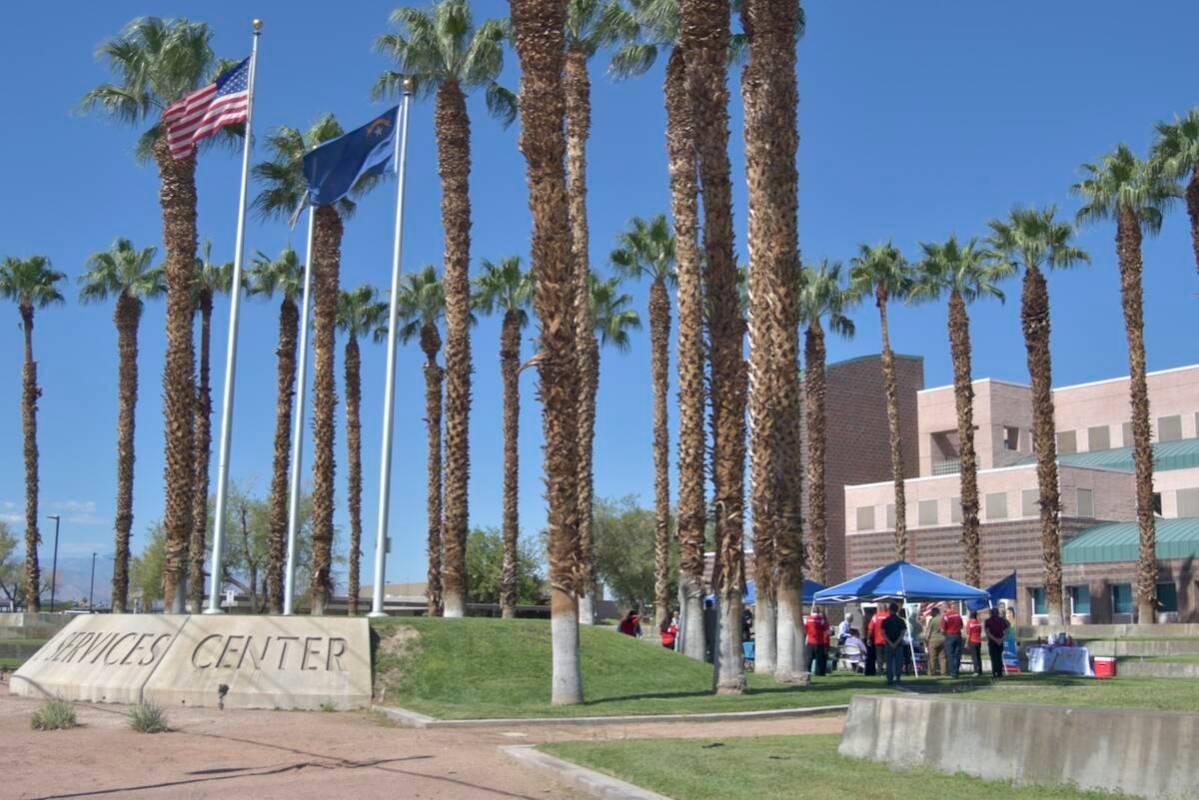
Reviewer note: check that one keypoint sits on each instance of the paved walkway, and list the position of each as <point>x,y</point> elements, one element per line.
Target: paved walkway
<point>297,755</point>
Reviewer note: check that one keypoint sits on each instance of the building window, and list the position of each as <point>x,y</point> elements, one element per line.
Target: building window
<point>955,509</point>
<point>1067,442</point>
<point>1030,505</point>
<point>1038,601</point>
<point>1011,438</point>
<point>1167,596</point>
<point>1086,503</point>
<point>890,515</point>
<point>1099,438</point>
<point>1157,504</point>
<point>928,512</point>
<point>866,518</point>
<point>1169,429</point>
<point>1080,599</point>
<point>1126,432</point>
<point>997,505</point>
<point>1188,502</point>
<point>1122,598</point>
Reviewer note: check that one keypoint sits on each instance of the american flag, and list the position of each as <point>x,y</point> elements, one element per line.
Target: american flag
<point>205,111</point>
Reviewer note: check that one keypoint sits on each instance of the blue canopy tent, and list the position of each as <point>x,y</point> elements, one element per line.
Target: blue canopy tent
<point>901,582</point>
<point>1004,590</point>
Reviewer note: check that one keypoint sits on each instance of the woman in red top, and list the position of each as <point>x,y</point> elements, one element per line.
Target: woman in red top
<point>876,634</point>
<point>816,628</point>
<point>974,641</point>
<point>670,631</point>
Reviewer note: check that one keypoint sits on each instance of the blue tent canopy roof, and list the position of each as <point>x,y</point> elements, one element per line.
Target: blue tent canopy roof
<point>899,581</point>
<point>810,588</point>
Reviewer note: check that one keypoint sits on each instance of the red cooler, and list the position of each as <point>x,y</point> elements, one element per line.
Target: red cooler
<point>1105,667</point>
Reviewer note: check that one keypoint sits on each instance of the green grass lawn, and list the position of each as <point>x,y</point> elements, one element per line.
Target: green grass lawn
<point>782,768</point>
<point>11,663</point>
<point>1161,694</point>
<point>486,668</point>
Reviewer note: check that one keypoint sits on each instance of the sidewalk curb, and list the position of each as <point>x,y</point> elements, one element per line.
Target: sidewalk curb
<point>585,780</point>
<point>410,719</point>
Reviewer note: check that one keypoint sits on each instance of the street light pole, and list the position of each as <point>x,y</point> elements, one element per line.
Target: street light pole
<point>91,592</point>
<point>54,564</point>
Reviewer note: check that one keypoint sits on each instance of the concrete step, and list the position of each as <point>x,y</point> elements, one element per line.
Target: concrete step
<point>1157,669</point>
<point>29,632</point>
<point>1144,647</point>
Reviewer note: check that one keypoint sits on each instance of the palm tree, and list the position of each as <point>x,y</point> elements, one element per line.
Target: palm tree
<point>210,280</point>
<point>966,273</point>
<point>31,283</point>
<point>822,296</point>
<point>1136,194</point>
<point>647,249</point>
<point>285,187</point>
<point>283,276</point>
<point>157,62</point>
<point>504,287</point>
<point>883,272</point>
<point>1028,239</point>
<point>770,97</point>
<point>446,55</point>
<point>609,321</point>
<point>126,272</point>
<point>539,35</point>
<point>1176,153</point>
<point>421,307</point>
<point>359,313</point>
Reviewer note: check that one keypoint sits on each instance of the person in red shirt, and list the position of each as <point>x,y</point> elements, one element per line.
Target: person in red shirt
<point>974,641</point>
<point>816,628</point>
<point>879,638</point>
<point>670,631</point>
<point>996,629</point>
<point>951,626</point>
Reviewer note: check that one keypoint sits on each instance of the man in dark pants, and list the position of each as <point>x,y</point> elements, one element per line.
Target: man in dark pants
<point>893,628</point>
<point>816,630</point>
<point>996,627</point>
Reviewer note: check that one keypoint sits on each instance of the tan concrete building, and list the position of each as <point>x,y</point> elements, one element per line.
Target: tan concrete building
<point>1096,482</point>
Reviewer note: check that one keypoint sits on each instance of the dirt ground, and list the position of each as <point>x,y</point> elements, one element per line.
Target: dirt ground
<point>297,755</point>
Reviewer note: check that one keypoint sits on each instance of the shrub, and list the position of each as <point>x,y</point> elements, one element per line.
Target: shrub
<point>148,718</point>
<point>55,715</point>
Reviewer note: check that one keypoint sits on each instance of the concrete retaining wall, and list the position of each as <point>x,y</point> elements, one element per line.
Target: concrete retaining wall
<point>1141,647</point>
<point>1142,753</point>
<point>1110,631</point>
<point>1158,669</point>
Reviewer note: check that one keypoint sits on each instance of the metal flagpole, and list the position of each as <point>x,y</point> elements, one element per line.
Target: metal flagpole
<point>401,158</point>
<point>214,603</point>
<point>297,436</point>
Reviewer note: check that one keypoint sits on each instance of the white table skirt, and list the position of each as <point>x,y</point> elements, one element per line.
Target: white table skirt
<point>1072,660</point>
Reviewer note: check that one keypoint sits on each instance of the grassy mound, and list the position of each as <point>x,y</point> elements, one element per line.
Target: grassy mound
<point>487,668</point>
<point>783,768</point>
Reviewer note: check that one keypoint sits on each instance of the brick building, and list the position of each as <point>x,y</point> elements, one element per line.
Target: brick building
<point>1096,481</point>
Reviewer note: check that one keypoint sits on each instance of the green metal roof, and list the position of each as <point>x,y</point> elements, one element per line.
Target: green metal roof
<point>1181,454</point>
<point>1120,541</point>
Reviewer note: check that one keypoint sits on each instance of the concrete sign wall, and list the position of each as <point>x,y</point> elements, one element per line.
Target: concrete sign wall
<point>240,661</point>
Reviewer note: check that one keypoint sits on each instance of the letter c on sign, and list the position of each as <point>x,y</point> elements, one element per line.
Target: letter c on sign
<point>200,646</point>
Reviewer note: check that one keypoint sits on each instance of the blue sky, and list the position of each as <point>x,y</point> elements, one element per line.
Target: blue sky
<point>916,121</point>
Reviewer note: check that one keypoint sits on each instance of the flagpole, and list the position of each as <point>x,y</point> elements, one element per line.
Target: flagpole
<point>389,387</point>
<point>297,436</point>
<point>214,606</point>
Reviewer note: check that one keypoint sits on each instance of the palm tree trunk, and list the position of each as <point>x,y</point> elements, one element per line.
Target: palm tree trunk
<point>963,395</point>
<point>1193,212</point>
<point>285,354</point>
<point>659,332</point>
<point>177,196</point>
<point>770,98</point>
<point>29,396</point>
<point>892,395</point>
<point>692,511</point>
<point>453,165</point>
<point>814,394</point>
<point>354,454</point>
<point>127,317</point>
<point>326,264</point>
<point>430,342</point>
<point>540,44</point>
<point>1128,250</point>
<point>705,39</point>
<point>589,355</point>
<point>1034,316</point>
<point>202,454</point>
<point>510,368</point>
<point>576,84</point>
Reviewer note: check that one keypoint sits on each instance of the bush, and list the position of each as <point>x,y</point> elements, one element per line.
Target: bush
<point>148,718</point>
<point>55,715</point>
